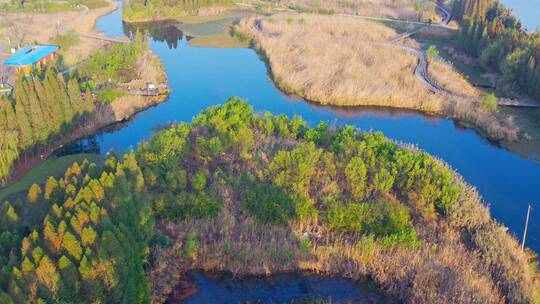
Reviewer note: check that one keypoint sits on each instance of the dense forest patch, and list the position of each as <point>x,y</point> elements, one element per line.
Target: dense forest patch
<point>492,33</point>
<point>81,238</point>
<point>48,106</point>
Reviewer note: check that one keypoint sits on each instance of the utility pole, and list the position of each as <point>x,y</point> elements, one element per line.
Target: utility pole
<point>526,227</point>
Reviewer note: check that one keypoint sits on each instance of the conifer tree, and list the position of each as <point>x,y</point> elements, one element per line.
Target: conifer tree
<point>26,135</point>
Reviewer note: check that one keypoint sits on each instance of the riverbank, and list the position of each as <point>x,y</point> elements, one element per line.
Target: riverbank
<point>120,109</point>
<point>139,12</point>
<point>364,70</point>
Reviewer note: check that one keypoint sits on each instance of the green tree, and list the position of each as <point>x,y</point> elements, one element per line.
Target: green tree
<point>356,173</point>
<point>489,103</point>
<point>431,53</point>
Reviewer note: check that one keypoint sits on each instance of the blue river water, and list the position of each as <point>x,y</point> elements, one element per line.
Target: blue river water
<point>201,77</point>
<point>280,288</point>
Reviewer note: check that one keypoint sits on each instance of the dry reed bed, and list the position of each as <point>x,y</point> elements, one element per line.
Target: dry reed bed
<point>377,8</point>
<point>336,60</point>
<point>442,270</point>
<point>348,62</point>
<point>450,80</point>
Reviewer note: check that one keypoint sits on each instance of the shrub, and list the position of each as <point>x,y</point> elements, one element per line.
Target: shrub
<point>305,246</point>
<point>346,218</point>
<point>192,245</point>
<point>432,52</point>
<point>198,181</point>
<point>198,205</point>
<point>380,218</point>
<point>489,103</point>
<point>107,96</point>
<point>268,203</point>
<point>65,42</point>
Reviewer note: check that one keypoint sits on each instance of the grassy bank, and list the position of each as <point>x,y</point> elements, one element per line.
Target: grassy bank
<point>364,70</point>
<point>53,166</point>
<point>143,11</point>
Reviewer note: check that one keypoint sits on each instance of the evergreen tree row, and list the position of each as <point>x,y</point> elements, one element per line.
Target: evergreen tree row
<point>493,33</point>
<point>40,109</point>
<point>80,239</point>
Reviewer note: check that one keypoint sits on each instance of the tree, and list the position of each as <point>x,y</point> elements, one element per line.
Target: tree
<point>489,103</point>
<point>431,53</point>
<point>34,194</point>
<point>48,275</point>
<point>356,173</point>
<point>9,152</point>
<point>88,236</point>
<point>72,246</point>
<point>52,190</point>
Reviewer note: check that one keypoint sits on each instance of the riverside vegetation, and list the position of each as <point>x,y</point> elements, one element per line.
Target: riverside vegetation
<point>235,191</point>
<point>364,70</point>
<point>49,108</point>
<point>146,10</point>
<point>494,34</point>
<point>49,6</point>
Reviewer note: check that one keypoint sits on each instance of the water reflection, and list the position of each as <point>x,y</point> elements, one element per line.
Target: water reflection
<point>281,288</point>
<point>85,145</point>
<point>161,31</point>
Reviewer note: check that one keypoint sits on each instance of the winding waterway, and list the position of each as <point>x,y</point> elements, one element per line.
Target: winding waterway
<point>201,77</point>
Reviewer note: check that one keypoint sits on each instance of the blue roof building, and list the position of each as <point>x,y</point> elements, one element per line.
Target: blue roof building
<point>32,56</point>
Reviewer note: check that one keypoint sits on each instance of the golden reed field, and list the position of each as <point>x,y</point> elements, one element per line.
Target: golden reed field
<point>348,61</point>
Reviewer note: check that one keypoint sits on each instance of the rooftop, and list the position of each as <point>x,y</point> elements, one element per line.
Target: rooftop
<point>30,54</point>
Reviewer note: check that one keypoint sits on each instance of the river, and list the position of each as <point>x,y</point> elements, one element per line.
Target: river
<point>201,77</point>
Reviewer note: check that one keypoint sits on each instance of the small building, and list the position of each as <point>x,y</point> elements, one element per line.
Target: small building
<point>31,57</point>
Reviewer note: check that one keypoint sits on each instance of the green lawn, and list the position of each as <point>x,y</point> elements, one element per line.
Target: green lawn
<point>54,166</point>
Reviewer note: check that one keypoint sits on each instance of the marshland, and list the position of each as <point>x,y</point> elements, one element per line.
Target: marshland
<point>232,188</point>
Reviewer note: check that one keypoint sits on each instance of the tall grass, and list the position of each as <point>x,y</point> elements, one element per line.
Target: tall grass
<point>444,269</point>
<point>347,62</point>
<point>403,9</point>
